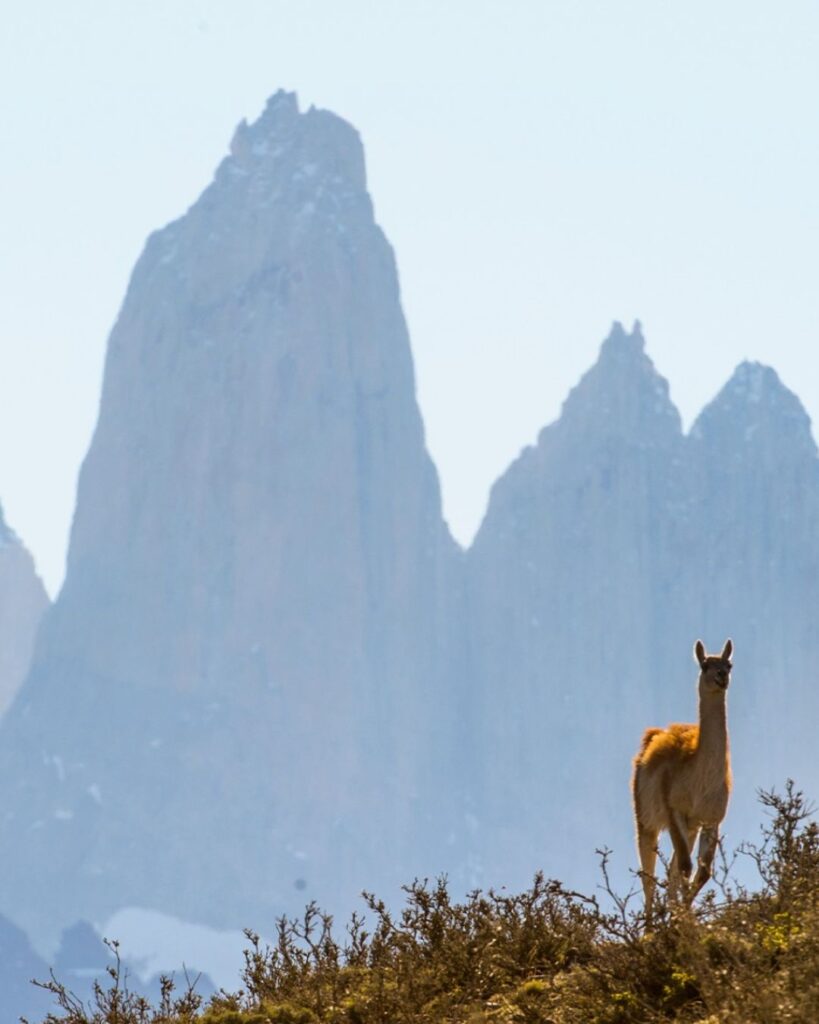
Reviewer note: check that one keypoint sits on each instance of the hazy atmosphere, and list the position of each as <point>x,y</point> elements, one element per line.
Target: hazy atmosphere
<point>405,413</point>
<point>540,169</point>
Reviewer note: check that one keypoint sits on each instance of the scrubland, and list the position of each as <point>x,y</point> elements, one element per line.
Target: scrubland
<point>744,953</point>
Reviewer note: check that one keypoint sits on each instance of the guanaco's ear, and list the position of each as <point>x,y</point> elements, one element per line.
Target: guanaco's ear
<point>699,653</point>
<point>726,650</point>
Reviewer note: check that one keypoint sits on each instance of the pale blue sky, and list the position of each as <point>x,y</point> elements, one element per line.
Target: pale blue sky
<point>542,167</point>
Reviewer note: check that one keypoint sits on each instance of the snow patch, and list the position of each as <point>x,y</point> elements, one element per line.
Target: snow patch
<point>154,943</point>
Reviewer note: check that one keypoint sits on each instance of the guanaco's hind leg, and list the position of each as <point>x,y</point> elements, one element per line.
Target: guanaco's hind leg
<point>647,847</point>
<point>709,837</point>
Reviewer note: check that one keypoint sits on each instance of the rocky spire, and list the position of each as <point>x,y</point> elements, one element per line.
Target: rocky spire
<point>755,475</point>
<point>623,394</point>
<point>251,633</point>
<point>563,568</point>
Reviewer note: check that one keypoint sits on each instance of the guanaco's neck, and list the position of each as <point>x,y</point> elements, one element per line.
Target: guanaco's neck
<point>713,726</point>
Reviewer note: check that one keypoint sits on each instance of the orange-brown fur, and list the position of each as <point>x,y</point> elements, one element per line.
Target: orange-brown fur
<point>682,780</point>
<point>675,741</point>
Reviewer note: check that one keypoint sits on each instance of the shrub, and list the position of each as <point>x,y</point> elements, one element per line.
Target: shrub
<point>545,956</point>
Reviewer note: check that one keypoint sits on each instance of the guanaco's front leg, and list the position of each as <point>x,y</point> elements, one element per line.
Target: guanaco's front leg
<point>679,873</point>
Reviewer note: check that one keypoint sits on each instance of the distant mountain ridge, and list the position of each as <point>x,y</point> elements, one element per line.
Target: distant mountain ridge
<point>23,600</point>
<point>271,675</point>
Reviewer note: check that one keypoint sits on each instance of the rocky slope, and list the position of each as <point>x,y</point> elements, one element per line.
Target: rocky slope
<point>22,602</point>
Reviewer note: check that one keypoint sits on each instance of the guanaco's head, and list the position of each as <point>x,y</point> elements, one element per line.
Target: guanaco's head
<point>715,669</point>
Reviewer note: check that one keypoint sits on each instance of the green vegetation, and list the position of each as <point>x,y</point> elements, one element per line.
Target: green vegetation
<point>546,956</point>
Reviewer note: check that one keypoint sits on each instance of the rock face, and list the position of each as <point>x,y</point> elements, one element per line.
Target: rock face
<point>756,573</point>
<point>272,676</point>
<point>607,549</point>
<point>236,701</point>
<point>564,580</point>
<point>22,602</point>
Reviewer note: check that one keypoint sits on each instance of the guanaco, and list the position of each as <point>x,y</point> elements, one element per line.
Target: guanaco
<point>682,781</point>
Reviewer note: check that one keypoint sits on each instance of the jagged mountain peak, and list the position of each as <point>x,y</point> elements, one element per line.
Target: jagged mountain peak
<point>756,384</point>
<point>755,407</point>
<point>623,344</point>
<point>292,180</point>
<point>320,144</point>
<point>623,393</point>
<point>620,402</point>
